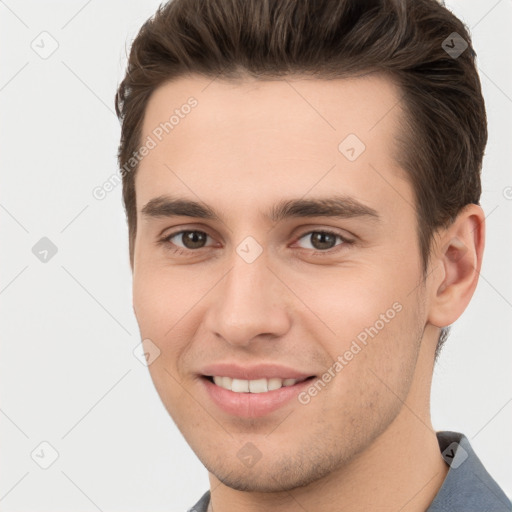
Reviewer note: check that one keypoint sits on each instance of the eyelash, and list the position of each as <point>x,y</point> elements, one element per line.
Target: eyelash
<point>179,251</point>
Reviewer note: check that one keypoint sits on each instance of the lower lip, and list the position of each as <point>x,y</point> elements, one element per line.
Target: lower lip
<point>252,405</point>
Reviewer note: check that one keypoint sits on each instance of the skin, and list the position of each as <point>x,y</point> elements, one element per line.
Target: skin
<point>366,440</point>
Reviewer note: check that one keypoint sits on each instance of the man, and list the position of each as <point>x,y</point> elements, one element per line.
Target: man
<point>302,183</point>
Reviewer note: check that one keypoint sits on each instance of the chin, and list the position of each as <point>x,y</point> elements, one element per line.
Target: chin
<point>272,476</point>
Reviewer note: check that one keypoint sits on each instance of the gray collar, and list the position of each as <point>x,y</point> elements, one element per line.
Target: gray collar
<point>468,487</point>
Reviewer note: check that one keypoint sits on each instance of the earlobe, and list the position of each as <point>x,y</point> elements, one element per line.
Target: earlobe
<point>460,257</point>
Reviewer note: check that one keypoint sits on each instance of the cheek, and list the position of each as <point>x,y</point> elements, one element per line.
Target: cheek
<point>149,300</point>
<point>160,308</point>
<point>160,298</point>
<point>386,361</point>
<point>375,326</point>
<point>169,304</point>
<point>350,302</point>
<point>375,370</point>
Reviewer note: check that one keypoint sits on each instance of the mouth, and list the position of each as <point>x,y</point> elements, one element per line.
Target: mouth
<point>260,385</point>
<point>254,398</point>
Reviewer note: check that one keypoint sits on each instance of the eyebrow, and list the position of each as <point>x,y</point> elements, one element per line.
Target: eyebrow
<point>343,207</point>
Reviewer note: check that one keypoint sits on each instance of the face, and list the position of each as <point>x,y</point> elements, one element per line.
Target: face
<point>284,305</point>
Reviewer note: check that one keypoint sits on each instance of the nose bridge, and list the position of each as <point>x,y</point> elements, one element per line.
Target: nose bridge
<point>247,303</point>
<point>248,280</point>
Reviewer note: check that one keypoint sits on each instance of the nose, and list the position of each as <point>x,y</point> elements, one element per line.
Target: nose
<point>249,303</point>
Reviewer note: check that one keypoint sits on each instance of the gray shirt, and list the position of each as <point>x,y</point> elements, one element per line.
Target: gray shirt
<point>467,486</point>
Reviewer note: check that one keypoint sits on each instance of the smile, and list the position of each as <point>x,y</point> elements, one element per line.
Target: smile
<point>252,398</point>
<point>261,385</point>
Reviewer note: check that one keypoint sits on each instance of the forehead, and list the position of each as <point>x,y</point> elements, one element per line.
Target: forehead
<point>270,138</point>
<point>310,107</point>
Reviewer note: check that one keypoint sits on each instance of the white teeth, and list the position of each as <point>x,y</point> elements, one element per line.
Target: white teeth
<point>252,386</point>
<point>226,382</point>
<point>240,386</point>
<point>258,386</point>
<point>274,383</point>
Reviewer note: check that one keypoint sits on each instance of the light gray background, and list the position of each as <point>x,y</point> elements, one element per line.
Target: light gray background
<point>68,373</point>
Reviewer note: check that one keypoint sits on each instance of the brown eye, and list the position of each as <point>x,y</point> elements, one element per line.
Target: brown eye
<point>322,240</point>
<point>191,239</point>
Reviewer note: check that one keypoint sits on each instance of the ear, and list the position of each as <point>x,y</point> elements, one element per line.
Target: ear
<point>456,261</point>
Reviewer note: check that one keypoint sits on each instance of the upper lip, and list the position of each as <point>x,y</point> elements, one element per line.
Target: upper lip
<point>253,372</point>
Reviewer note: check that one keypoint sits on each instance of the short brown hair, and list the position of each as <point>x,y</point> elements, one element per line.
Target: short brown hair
<point>444,127</point>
